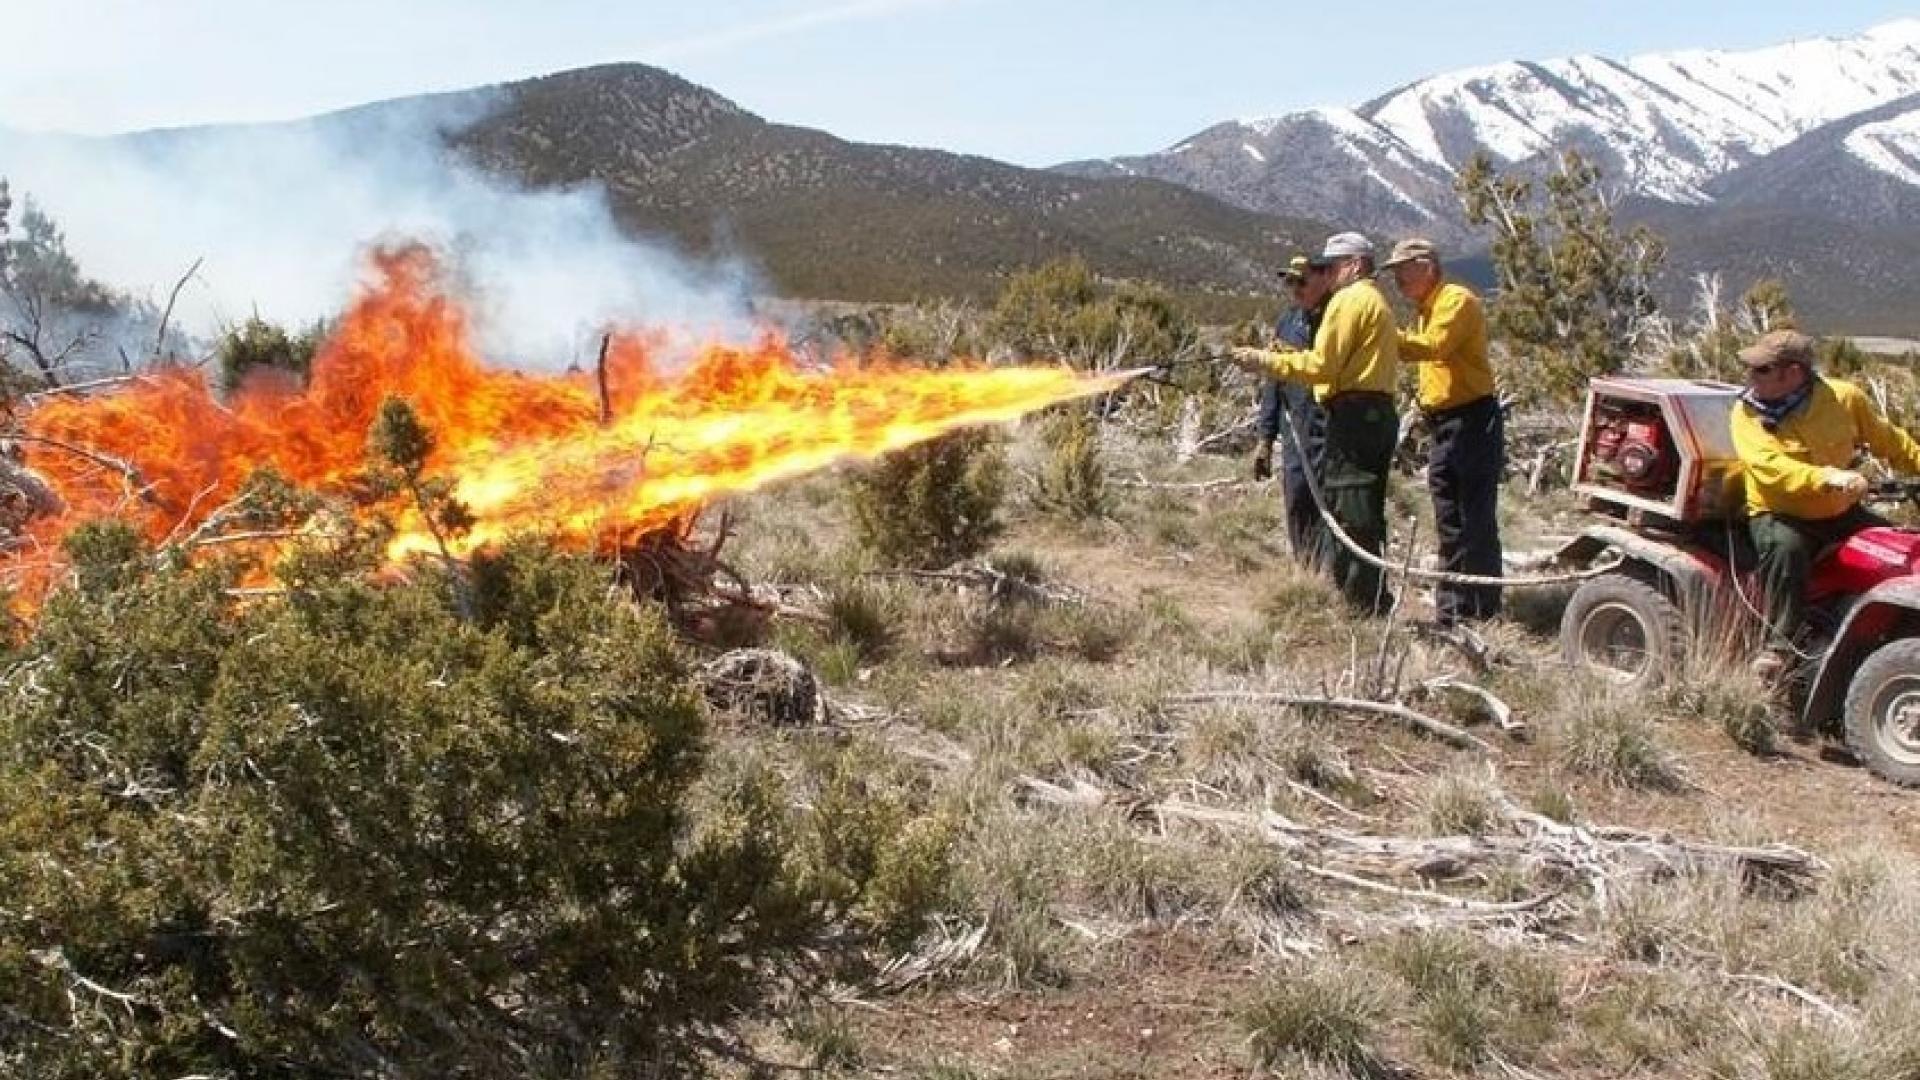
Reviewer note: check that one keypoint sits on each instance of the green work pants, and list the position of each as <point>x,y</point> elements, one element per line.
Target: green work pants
<point>1786,547</point>
<point>1361,431</point>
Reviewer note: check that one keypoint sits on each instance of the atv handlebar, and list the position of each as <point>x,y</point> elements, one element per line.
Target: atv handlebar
<point>1904,490</point>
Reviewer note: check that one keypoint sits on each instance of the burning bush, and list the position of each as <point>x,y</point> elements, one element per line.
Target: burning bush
<point>353,832</point>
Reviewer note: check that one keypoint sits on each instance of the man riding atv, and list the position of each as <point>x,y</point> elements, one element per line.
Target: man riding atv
<point>1796,435</point>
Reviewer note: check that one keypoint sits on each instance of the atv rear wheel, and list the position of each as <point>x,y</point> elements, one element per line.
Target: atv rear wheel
<point>1883,712</point>
<point>1622,628</point>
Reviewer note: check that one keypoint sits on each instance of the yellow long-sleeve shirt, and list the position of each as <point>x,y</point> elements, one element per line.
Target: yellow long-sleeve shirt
<point>1448,340</point>
<point>1356,348</point>
<point>1783,468</point>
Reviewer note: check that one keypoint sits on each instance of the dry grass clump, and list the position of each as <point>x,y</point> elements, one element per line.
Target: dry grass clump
<point>868,615</point>
<point>1600,732</point>
<point>827,1036</point>
<point>1724,694</point>
<point>1473,1001</point>
<point>1009,875</point>
<point>1649,1021</point>
<point>1460,803</point>
<point>1326,1014</point>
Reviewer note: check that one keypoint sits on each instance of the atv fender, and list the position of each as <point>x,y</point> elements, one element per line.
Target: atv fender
<point>1686,574</point>
<point>1874,619</point>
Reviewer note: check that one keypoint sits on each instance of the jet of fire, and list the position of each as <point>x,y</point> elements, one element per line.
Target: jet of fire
<point>527,453</point>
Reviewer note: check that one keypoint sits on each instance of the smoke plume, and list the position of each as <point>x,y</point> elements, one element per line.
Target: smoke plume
<point>283,213</point>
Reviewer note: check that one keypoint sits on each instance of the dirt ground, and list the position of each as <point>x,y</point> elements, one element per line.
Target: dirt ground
<point>1164,996</point>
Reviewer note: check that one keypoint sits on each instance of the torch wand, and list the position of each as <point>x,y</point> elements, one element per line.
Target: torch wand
<point>1157,371</point>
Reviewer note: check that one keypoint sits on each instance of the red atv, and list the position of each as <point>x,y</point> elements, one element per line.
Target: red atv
<point>1656,459</point>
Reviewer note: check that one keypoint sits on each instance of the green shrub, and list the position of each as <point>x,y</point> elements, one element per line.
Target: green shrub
<point>1073,478</point>
<point>932,504</point>
<point>1061,311</point>
<point>356,833</point>
<point>880,860</point>
<point>257,345</point>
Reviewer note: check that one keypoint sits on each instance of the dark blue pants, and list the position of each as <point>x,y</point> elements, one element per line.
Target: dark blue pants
<point>1463,474</point>
<point>1305,533</point>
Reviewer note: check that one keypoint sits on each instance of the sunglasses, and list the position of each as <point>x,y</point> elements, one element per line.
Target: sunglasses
<point>1769,367</point>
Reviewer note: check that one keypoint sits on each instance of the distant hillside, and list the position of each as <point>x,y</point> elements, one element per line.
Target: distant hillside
<point>834,219</point>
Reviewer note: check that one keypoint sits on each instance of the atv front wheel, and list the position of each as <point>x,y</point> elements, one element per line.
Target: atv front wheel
<point>1622,628</point>
<point>1883,712</point>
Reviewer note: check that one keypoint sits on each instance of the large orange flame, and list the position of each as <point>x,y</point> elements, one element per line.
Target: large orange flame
<point>527,453</point>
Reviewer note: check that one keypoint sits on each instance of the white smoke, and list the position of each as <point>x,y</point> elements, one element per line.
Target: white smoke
<point>283,215</point>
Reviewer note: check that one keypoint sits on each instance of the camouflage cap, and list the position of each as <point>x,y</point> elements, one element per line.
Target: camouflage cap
<point>1409,250</point>
<point>1296,269</point>
<point>1779,346</point>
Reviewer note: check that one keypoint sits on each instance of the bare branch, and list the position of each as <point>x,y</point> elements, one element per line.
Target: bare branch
<point>166,316</point>
<point>1441,730</point>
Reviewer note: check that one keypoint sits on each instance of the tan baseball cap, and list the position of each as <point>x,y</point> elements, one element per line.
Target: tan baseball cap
<point>1410,250</point>
<point>1779,346</point>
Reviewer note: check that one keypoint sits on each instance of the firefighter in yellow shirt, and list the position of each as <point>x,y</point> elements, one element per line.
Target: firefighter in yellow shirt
<point>1797,435</point>
<point>1448,344</point>
<point>1352,367</point>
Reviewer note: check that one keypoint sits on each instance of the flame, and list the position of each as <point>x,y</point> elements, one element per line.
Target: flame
<point>526,453</point>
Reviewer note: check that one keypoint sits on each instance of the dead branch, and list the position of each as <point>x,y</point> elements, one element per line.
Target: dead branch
<point>600,380</point>
<point>1076,792</point>
<point>1798,993</point>
<point>1441,730</point>
<point>255,536</point>
<point>160,337</point>
<point>1140,481</point>
<point>1227,434</point>
<point>762,684</point>
<point>1327,801</point>
<point>945,947</point>
<point>1500,711</point>
<point>997,583</point>
<point>83,387</point>
<point>1471,646</point>
<point>135,482</point>
<point>1429,896</point>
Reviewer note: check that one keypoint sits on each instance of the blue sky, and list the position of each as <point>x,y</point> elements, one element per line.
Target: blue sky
<point>1030,81</point>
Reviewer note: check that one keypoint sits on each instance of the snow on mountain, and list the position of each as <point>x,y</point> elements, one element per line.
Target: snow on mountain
<point>1891,146</point>
<point>1664,125</point>
<point>1673,121</point>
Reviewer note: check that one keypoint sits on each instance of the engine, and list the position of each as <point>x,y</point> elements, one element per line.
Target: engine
<point>1659,447</point>
<point>1631,447</point>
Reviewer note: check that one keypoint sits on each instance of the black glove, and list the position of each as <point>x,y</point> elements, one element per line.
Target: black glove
<point>1263,461</point>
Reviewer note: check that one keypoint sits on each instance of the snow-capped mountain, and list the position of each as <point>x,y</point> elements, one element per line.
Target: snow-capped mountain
<point>1667,126</point>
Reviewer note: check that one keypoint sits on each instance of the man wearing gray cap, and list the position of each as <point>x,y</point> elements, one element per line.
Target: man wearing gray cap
<point>1448,345</point>
<point>1352,367</point>
<point>1797,435</point>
